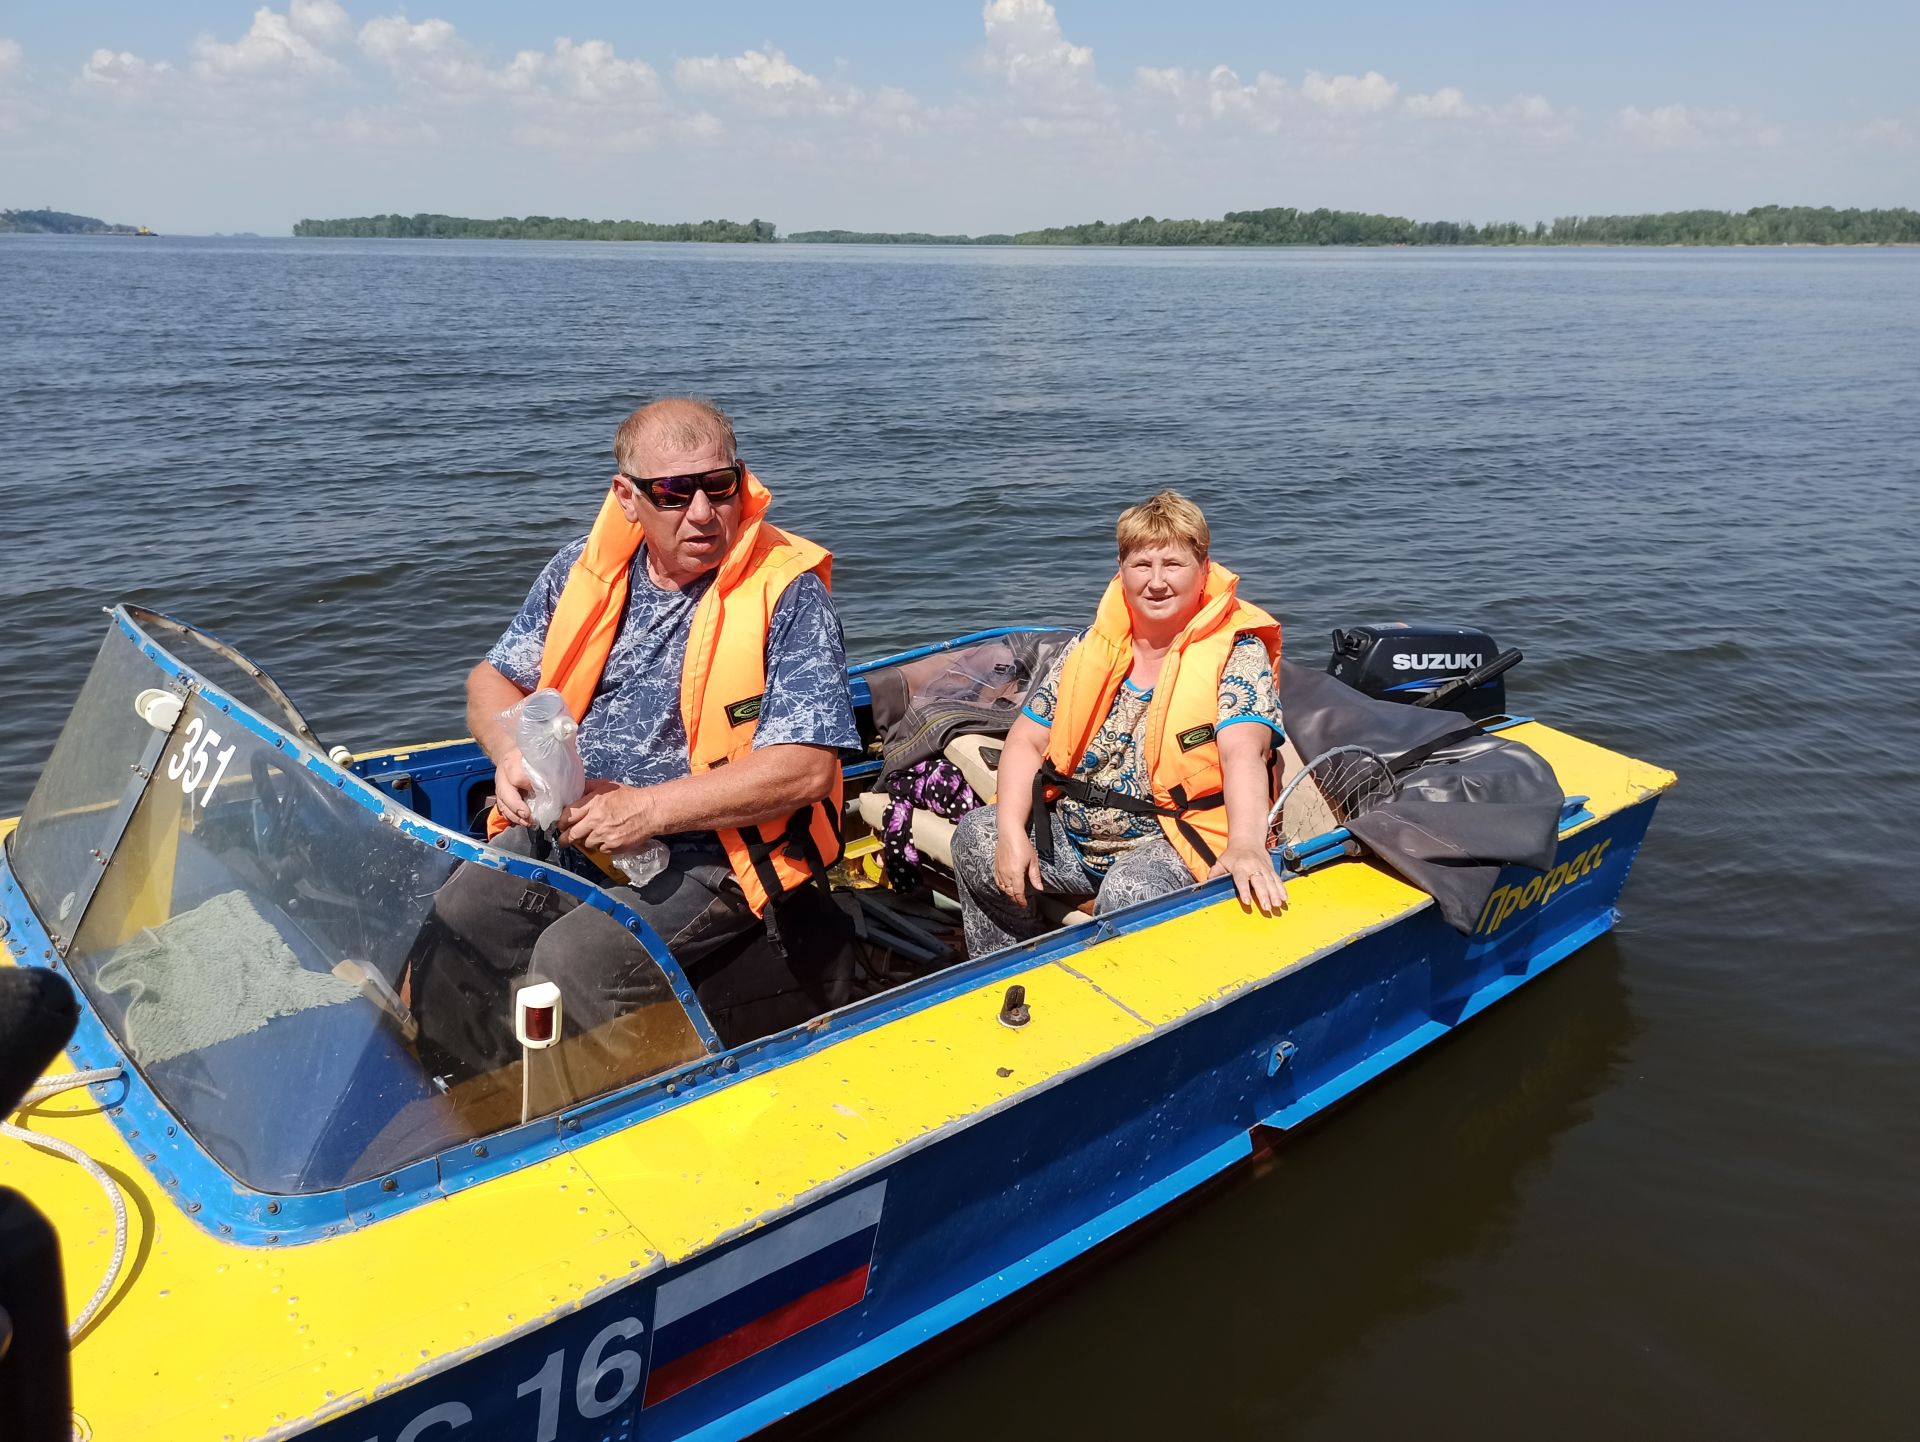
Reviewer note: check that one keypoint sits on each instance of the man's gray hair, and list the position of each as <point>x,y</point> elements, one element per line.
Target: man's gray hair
<point>675,422</point>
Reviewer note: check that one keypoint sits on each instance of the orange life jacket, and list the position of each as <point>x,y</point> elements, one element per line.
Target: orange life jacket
<point>721,685</point>
<point>1182,753</point>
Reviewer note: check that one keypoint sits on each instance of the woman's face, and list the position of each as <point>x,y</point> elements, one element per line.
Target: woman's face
<point>1163,585</point>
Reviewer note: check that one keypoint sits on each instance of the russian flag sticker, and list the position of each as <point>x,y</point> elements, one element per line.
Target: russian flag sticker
<point>726,1310</point>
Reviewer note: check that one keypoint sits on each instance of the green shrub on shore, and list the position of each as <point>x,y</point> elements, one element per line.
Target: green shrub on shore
<point>533,227</point>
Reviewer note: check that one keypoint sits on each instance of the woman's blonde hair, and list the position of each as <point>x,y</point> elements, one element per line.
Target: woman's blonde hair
<point>1168,519</point>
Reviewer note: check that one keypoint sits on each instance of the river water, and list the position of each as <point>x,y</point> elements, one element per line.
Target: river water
<point>1671,1190</point>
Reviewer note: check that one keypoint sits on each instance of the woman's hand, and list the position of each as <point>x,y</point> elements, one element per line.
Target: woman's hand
<point>1015,866</point>
<point>511,789</point>
<point>1251,868</point>
<point>610,817</point>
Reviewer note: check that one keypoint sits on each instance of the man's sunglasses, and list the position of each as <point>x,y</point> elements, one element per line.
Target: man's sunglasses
<point>675,493</point>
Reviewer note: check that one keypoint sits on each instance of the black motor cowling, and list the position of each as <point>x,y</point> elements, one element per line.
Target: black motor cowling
<point>1413,662</point>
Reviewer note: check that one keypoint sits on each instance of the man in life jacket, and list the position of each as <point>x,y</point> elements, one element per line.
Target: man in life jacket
<point>698,648</point>
<point>1139,763</point>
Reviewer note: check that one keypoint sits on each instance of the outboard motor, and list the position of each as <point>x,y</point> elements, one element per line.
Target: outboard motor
<point>1422,663</point>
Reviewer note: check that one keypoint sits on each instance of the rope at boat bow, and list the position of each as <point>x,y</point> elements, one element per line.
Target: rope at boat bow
<point>51,1087</point>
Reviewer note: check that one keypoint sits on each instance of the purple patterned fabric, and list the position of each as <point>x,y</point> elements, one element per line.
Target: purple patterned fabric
<point>935,785</point>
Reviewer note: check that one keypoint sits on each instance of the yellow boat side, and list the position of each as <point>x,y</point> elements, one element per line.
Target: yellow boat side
<point>261,1338</point>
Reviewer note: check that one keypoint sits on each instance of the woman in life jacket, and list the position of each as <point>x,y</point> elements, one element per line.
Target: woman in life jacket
<point>1139,763</point>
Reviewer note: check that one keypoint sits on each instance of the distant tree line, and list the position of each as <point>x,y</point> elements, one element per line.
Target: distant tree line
<point>1278,225</point>
<point>534,227</point>
<point>1283,225</point>
<point>58,222</point>
<point>876,237</point>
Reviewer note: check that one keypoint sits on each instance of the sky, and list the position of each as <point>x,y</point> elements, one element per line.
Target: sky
<point>949,115</point>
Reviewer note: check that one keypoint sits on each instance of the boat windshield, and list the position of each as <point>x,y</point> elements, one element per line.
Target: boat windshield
<point>255,926</point>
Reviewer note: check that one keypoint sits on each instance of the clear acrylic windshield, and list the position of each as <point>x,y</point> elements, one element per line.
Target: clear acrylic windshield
<point>277,958</point>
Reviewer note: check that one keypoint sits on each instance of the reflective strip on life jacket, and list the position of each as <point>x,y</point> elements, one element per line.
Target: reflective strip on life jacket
<point>722,675</point>
<point>1181,750</point>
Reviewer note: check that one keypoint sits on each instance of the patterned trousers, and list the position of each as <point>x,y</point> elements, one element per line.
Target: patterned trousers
<point>1152,868</point>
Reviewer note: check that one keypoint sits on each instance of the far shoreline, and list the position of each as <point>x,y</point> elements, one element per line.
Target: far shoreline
<point>784,243</point>
<point>1110,245</point>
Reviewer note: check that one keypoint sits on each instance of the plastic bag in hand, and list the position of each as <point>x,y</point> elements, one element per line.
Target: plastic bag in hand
<point>545,733</point>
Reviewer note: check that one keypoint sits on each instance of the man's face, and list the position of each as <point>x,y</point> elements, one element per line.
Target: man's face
<point>682,544</point>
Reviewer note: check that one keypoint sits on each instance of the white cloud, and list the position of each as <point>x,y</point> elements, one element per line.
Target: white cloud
<point>1323,104</point>
<point>1533,109</point>
<point>1350,94</point>
<point>589,72</point>
<point>1444,104</point>
<point>384,129</point>
<point>122,70</point>
<point>580,78</point>
<point>762,71</point>
<point>896,109</point>
<point>1170,81</point>
<point>577,96</point>
<point>700,126</point>
<point>1889,130</point>
<point>1027,48</point>
<point>429,51</point>
<point>18,110</point>
<point>1329,108</point>
<point>322,21</point>
<point>1046,86</point>
<point>276,44</point>
<point>1532,115</point>
<point>1690,127</point>
<point>766,83</point>
<point>1261,106</point>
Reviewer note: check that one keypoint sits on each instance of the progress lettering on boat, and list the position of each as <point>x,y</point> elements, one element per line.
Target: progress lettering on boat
<point>1507,901</point>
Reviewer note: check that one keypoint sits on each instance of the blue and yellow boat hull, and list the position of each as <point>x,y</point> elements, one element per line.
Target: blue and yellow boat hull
<point>705,1256</point>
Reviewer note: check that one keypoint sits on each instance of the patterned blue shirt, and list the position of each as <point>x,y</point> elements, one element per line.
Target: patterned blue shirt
<point>632,732</point>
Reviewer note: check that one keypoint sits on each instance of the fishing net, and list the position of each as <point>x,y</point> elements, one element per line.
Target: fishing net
<point>218,971</point>
<point>1329,791</point>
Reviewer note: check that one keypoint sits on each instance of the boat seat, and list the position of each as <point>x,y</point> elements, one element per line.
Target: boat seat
<point>933,835</point>
<point>978,758</point>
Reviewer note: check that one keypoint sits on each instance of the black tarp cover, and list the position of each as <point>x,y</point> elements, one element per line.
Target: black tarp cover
<point>1476,805</point>
<point>919,706</point>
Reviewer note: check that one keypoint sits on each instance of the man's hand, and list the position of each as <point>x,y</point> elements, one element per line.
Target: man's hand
<point>1251,868</point>
<point>1016,866</point>
<point>610,817</point>
<point>513,788</point>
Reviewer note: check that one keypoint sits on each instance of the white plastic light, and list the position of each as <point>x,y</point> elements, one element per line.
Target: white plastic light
<point>158,708</point>
<point>536,1015</point>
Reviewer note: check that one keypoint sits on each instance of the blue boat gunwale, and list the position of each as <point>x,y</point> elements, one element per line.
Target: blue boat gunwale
<point>213,1199</point>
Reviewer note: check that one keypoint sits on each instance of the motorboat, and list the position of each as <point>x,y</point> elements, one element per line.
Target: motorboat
<point>304,1216</point>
